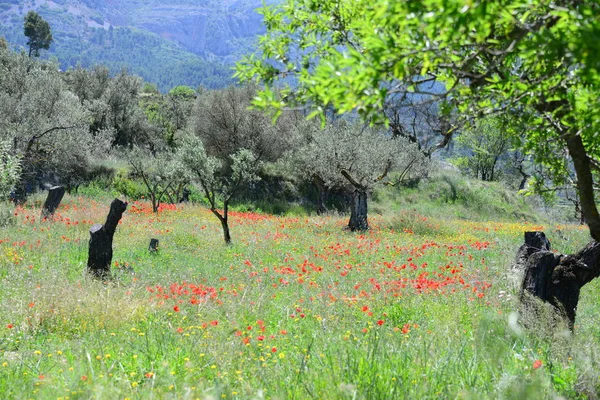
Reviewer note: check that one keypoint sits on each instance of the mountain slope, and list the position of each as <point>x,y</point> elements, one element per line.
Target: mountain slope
<point>168,42</point>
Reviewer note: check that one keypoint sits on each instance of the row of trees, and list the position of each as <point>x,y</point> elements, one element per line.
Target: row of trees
<point>62,124</point>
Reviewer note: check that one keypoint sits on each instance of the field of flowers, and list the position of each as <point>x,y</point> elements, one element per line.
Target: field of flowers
<point>296,308</point>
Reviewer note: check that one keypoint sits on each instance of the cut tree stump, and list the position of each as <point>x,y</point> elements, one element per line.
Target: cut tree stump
<point>552,282</point>
<point>55,195</point>
<point>101,238</point>
<point>153,247</point>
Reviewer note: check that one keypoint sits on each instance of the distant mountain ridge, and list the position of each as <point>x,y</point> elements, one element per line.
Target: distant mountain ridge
<point>167,42</point>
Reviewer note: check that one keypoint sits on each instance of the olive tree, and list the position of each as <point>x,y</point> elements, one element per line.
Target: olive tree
<point>491,57</point>
<point>343,153</point>
<point>220,179</point>
<point>160,173</point>
<point>44,122</point>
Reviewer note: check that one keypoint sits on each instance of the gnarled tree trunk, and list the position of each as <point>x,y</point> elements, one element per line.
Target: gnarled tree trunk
<point>322,194</point>
<point>556,280</point>
<point>358,213</point>
<point>101,238</point>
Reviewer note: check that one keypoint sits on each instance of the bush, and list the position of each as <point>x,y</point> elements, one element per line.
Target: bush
<point>130,188</point>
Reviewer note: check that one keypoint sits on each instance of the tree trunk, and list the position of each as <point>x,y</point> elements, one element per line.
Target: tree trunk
<point>585,184</point>
<point>224,222</point>
<point>55,195</point>
<point>322,194</point>
<point>358,213</point>
<point>101,238</point>
<point>553,282</point>
<point>226,235</point>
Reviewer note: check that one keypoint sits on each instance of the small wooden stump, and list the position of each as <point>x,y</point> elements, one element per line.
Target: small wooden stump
<point>101,238</point>
<point>153,247</point>
<point>55,195</point>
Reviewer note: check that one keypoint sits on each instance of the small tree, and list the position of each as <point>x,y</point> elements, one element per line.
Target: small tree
<point>38,32</point>
<point>484,146</point>
<point>159,173</point>
<point>220,179</point>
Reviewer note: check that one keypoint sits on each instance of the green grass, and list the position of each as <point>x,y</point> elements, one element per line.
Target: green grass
<point>297,308</point>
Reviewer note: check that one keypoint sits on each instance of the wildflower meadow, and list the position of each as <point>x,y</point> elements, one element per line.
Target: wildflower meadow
<point>296,308</point>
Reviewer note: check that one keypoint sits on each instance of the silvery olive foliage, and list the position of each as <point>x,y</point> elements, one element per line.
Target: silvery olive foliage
<point>113,105</point>
<point>219,179</point>
<point>345,152</point>
<point>10,170</point>
<point>43,121</point>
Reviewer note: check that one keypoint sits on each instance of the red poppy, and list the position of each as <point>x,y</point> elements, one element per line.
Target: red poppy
<point>537,364</point>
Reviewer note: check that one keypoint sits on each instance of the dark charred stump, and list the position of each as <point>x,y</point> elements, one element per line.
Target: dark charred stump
<point>101,238</point>
<point>55,195</point>
<point>153,247</point>
<point>358,213</point>
<point>553,281</point>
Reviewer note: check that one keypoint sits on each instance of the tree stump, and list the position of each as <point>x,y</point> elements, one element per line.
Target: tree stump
<point>101,238</point>
<point>55,195</point>
<point>153,247</point>
<point>552,282</point>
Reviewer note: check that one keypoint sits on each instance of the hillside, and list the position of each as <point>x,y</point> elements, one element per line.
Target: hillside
<point>170,42</point>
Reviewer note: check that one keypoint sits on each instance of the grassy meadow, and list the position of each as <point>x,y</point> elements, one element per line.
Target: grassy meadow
<point>297,308</point>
